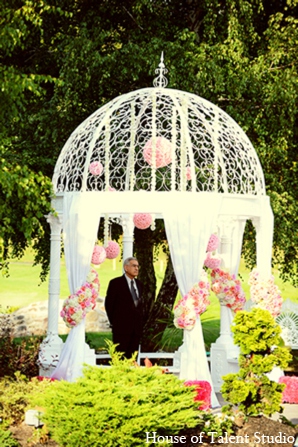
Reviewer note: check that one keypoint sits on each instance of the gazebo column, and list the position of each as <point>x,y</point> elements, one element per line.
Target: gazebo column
<point>223,353</point>
<point>51,346</point>
<point>128,232</point>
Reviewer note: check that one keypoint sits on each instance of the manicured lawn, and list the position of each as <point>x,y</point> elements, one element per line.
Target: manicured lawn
<point>23,286</point>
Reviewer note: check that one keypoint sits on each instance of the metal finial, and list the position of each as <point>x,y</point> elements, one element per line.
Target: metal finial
<point>161,80</point>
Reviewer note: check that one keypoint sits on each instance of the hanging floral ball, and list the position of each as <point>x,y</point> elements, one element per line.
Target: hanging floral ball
<point>163,152</point>
<point>213,243</point>
<point>98,255</point>
<point>112,250</point>
<point>188,172</point>
<point>142,220</point>
<point>212,262</point>
<point>96,168</point>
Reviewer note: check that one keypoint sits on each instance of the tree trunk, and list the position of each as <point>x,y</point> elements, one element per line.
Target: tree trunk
<point>160,311</point>
<point>143,247</point>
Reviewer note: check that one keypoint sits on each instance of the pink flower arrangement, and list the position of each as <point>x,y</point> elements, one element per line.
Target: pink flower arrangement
<point>96,168</point>
<point>76,306</point>
<point>203,390</point>
<point>265,293</point>
<point>211,262</point>
<point>163,152</point>
<point>142,220</point>
<point>227,289</point>
<point>290,393</point>
<point>192,305</point>
<point>99,255</point>
<point>42,378</point>
<point>112,250</point>
<point>212,243</point>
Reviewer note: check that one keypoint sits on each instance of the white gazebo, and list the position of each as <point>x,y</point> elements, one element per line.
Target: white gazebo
<point>179,157</point>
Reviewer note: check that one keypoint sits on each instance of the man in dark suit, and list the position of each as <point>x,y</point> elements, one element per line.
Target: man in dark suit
<point>124,308</point>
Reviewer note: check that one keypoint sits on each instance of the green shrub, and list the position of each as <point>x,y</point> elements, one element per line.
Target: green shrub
<point>8,309</point>
<point>14,397</point>
<point>258,336</point>
<point>6,439</point>
<point>116,406</point>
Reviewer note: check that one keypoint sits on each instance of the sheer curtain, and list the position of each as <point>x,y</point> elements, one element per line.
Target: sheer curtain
<point>80,224</point>
<point>188,227</point>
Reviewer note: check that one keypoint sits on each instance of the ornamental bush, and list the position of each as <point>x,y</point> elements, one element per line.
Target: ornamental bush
<point>116,406</point>
<point>14,397</point>
<point>17,354</point>
<point>258,336</point>
<point>6,439</point>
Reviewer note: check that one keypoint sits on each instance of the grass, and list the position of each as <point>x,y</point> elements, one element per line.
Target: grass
<point>23,287</point>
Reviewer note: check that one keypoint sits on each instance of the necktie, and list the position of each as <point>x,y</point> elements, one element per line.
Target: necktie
<point>134,293</point>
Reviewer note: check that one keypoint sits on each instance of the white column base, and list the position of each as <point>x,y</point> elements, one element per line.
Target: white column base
<point>49,353</point>
<point>223,361</point>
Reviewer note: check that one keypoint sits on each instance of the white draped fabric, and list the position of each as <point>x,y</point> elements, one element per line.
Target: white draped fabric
<point>80,224</point>
<point>188,228</point>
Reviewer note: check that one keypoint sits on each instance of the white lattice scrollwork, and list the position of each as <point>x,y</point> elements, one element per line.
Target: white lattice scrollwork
<point>158,139</point>
<point>288,321</point>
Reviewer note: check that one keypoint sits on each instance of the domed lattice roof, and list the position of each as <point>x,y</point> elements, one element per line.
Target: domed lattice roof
<point>159,139</point>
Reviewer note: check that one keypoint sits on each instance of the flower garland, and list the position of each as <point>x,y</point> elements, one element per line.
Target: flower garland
<point>76,306</point>
<point>227,289</point>
<point>212,243</point>
<point>188,308</point>
<point>211,262</point>
<point>265,293</point>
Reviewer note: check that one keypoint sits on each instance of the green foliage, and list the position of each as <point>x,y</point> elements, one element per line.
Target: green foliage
<point>14,397</point>
<point>8,309</point>
<point>116,406</point>
<point>28,194</point>
<point>17,354</point>
<point>258,336</point>
<point>6,438</point>
<point>61,63</point>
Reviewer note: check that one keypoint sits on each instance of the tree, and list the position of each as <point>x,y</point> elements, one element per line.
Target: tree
<point>63,60</point>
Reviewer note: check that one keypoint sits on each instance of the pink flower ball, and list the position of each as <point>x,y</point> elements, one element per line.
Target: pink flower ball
<point>96,168</point>
<point>163,152</point>
<point>142,220</point>
<point>98,255</point>
<point>188,172</point>
<point>213,243</point>
<point>112,250</point>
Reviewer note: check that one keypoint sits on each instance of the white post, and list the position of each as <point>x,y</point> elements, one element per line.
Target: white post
<point>51,346</point>
<point>223,353</point>
<point>128,229</point>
